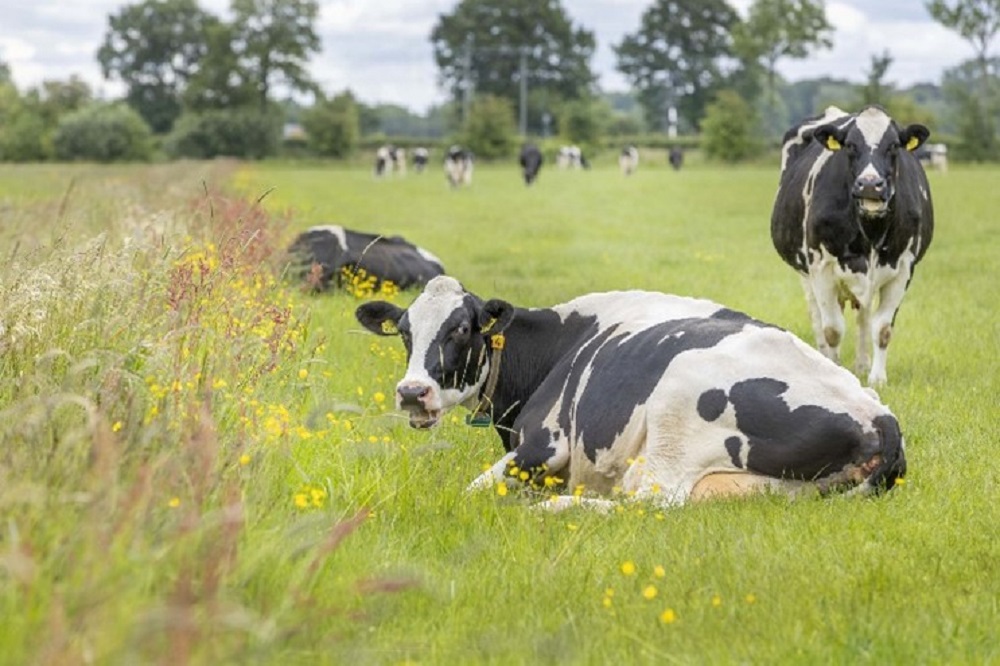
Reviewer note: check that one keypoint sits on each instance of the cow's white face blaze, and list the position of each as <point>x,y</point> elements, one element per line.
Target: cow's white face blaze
<point>872,144</point>
<point>446,359</point>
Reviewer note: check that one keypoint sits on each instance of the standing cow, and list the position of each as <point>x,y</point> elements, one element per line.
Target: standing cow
<point>531,162</point>
<point>664,396</point>
<point>853,216</point>
<point>628,160</point>
<point>390,159</point>
<point>676,158</point>
<point>420,158</point>
<point>458,166</point>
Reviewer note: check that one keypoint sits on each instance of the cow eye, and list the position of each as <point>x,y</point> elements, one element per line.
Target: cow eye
<point>462,330</point>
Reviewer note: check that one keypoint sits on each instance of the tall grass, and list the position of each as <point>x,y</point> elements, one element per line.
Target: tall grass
<point>200,463</point>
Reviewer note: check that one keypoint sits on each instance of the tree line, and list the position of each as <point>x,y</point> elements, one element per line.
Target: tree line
<point>198,85</point>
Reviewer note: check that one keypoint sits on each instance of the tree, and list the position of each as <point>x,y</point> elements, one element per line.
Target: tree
<point>273,40</point>
<point>489,130</point>
<point>976,120</point>
<point>333,125</point>
<point>582,122</point>
<point>776,29</point>
<point>977,21</point>
<point>729,131</point>
<point>5,75</point>
<point>876,90</point>
<point>674,58</point>
<point>154,47</point>
<point>220,82</point>
<point>481,45</point>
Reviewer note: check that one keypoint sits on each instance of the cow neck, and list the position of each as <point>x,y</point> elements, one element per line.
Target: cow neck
<point>480,416</point>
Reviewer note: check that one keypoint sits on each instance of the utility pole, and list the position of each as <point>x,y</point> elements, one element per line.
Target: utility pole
<point>523,67</point>
<point>467,84</point>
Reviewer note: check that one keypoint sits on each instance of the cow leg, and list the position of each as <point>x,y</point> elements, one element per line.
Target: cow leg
<point>814,316</point>
<point>862,357</point>
<point>532,461</point>
<point>831,316</point>
<point>890,297</point>
<point>492,476</point>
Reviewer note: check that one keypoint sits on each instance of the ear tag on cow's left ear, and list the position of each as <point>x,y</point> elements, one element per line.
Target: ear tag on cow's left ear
<point>832,143</point>
<point>478,420</point>
<point>389,327</point>
<point>488,325</point>
<point>912,143</point>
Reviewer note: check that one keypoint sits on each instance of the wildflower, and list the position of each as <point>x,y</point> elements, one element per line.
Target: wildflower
<point>303,373</point>
<point>572,527</point>
<point>244,459</point>
<point>301,501</point>
<point>502,489</point>
<point>750,599</point>
<point>372,439</point>
<point>174,502</point>
<point>668,616</point>
<point>659,571</point>
<point>379,397</point>
<point>716,601</point>
<point>116,426</point>
<point>649,592</point>
<point>628,567</point>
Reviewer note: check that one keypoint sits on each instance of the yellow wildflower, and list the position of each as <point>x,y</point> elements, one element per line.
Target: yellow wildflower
<point>174,502</point>
<point>649,592</point>
<point>659,571</point>
<point>628,567</point>
<point>244,459</point>
<point>716,601</point>
<point>116,426</point>
<point>303,373</point>
<point>668,616</point>
<point>502,489</point>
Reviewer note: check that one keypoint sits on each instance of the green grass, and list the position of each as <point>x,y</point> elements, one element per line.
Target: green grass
<point>164,406</point>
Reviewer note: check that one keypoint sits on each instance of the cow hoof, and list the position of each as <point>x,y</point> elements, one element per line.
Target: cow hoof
<point>877,379</point>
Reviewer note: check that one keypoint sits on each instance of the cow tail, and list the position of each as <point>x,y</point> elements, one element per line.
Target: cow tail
<point>893,465</point>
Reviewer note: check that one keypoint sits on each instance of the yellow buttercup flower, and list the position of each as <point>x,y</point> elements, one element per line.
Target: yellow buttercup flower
<point>668,616</point>
<point>649,592</point>
<point>628,567</point>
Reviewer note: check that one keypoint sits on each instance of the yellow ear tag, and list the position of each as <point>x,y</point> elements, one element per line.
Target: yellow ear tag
<point>912,143</point>
<point>488,325</point>
<point>832,143</point>
<point>389,328</point>
<point>497,341</point>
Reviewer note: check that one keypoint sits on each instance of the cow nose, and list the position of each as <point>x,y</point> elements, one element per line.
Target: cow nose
<point>412,395</point>
<point>869,188</point>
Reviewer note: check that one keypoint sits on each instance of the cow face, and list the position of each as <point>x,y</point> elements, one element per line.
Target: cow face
<point>445,332</point>
<point>872,144</point>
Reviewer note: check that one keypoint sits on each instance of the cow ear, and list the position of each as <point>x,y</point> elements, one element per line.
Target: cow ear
<point>495,316</point>
<point>379,317</point>
<point>913,136</point>
<point>829,136</point>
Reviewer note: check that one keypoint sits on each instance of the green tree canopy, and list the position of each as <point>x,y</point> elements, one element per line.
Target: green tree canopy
<point>729,131</point>
<point>333,125</point>
<point>480,45</point>
<point>489,131</point>
<point>674,58</point>
<point>220,82</point>
<point>876,90</point>
<point>977,21</point>
<point>154,47</point>
<point>273,40</point>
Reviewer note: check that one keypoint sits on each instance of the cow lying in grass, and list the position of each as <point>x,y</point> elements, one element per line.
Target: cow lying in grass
<point>657,395</point>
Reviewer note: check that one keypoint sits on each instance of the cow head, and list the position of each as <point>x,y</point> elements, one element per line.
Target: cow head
<point>445,332</point>
<point>872,144</point>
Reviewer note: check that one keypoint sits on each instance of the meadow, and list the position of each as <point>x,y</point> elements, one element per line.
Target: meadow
<point>200,462</point>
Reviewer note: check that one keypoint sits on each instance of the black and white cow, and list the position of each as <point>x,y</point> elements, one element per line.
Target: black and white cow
<point>421,156</point>
<point>663,396</point>
<point>676,158</point>
<point>390,159</point>
<point>531,162</point>
<point>458,166</point>
<point>628,160</point>
<point>853,216</point>
<point>320,255</point>
<point>571,157</point>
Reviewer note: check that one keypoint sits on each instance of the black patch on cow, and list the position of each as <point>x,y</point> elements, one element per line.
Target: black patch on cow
<point>802,443</point>
<point>733,446</point>
<point>624,370</point>
<point>534,451</point>
<point>712,403</point>
<point>453,357</point>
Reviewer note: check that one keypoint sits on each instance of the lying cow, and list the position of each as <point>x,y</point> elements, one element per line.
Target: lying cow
<point>628,160</point>
<point>853,216</point>
<point>458,166</point>
<point>321,255</point>
<point>663,396</point>
<point>531,162</point>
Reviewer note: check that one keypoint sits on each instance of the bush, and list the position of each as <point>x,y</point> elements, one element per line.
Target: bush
<point>103,133</point>
<point>24,139</point>
<point>729,131</point>
<point>489,130</point>
<point>245,133</point>
<point>333,126</point>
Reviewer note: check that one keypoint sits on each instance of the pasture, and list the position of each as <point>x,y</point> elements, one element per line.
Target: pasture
<point>200,462</point>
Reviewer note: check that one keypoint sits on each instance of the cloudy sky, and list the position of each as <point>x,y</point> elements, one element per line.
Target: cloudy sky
<point>380,48</point>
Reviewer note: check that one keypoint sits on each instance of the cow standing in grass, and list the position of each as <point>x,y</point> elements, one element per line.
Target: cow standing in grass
<point>458,166</point>
<point>853,216</point>
<point>663,396</point>
<point>531,162</point>
<point>628,160</point>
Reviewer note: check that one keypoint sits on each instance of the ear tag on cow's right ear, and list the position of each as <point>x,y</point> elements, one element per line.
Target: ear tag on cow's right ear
<point>832,143</point>
<point>389,327</point>
<point>912,143</point>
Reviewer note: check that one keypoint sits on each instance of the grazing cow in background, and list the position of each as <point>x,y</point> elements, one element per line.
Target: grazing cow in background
<point>420,158</point>
<point>571,157</point>
<point>676,158</point>
<point>628,160</point>
<point>458,166</point>
<point>853,215</point>
<point>389,159</point>
<point>934,156</point>
<point>321,254</point>
<point>668,397</point>
<point>531,162</point>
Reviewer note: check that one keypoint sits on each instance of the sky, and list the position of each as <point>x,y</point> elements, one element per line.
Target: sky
<point>381,51</point>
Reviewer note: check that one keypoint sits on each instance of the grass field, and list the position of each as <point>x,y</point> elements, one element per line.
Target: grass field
<point>200,464</point>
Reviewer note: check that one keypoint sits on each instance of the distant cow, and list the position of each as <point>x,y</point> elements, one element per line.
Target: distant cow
<point>934,156</point>
<point>661,396</point>
<point>531,162</point>
<point>628,160</point>
<point>321,255</point>
<point>853,216</point>
<point>458,166</point>
<point>390,159</point>
<point>676,158</point>
<point>571,157</point>
<point>420,158</point>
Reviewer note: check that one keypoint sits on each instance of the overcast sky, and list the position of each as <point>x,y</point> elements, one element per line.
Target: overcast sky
<point>380,49</point>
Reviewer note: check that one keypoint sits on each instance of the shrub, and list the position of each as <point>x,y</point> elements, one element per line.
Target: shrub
<point>103,133</point>
<point>333,126</point>
<point>489,130</point>
<point>244,132</point>
<point>730,128</point>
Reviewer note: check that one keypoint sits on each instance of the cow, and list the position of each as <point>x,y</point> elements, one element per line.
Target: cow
<point>326,256</point>
<point>934,156</point>
<point>458,163</point>
<point>659,396</point>
<point>390,159</point>
<point>628,160</point>
<point>571,157</point>
<point>853,215</point>
<point>531,162</point>
<point>421,156</point>
<point>675,156</point>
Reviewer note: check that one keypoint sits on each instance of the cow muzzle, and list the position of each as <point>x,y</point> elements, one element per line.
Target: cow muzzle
<point>872,195</point>
<point>415,400</point>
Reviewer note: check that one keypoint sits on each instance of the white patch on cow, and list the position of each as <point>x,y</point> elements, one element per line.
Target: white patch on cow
<point>337,231</point>
<point>830,114</point>
<point>429,256</point>
<point>873,124</point>
<point>924,193</point>
<point>634,310</point>
<point>870,173</point>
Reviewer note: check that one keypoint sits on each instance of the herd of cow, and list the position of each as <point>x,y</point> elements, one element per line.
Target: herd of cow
<point>669,397</point>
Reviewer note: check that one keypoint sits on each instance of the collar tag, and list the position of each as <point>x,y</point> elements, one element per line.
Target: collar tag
<point>478,420</point>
